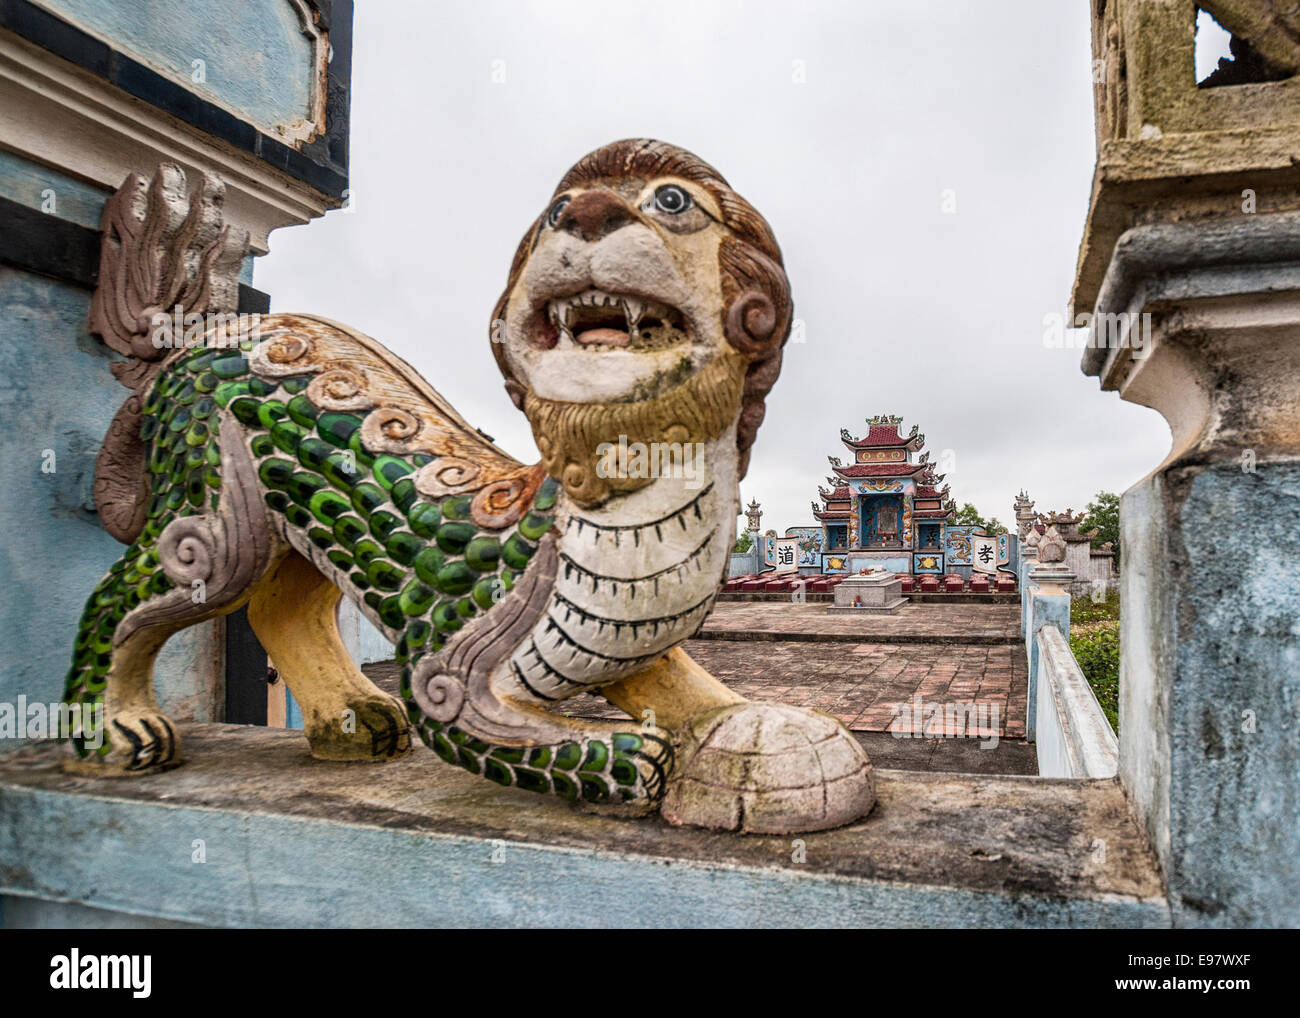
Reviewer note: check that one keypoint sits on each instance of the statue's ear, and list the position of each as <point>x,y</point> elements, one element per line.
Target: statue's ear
<point>756,300</point>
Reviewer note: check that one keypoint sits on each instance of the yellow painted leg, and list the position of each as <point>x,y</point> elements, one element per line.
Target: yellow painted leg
<point>675,688</point>
<point>345,716</point>
<point>143,739</point>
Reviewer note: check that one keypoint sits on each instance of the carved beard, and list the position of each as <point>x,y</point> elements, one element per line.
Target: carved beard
<point>569,434</point>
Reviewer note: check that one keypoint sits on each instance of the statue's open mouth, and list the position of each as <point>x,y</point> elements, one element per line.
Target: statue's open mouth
<point>600,321</point>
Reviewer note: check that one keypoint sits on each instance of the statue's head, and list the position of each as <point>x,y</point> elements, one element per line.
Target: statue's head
<point>648,300</point>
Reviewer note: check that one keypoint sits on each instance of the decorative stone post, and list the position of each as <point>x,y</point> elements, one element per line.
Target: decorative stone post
<point>1024,511</point>
<point>1028,559</point>
<point>1048,600</point>
<point>1189,278</point>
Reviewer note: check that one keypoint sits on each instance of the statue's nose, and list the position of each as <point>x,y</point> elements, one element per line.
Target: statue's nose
<point>595,214</point>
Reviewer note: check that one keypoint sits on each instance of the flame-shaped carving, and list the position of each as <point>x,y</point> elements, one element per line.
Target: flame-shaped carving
<point>162,248</point>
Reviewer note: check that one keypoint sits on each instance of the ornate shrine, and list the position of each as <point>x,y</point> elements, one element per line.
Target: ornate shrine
<point>888,508</point>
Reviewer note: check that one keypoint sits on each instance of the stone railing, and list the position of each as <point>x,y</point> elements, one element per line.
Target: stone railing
<point>1065,722</point>
<point>1073,737</point>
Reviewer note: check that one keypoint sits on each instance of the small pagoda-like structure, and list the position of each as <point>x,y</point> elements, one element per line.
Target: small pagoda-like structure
<point>885,508</point>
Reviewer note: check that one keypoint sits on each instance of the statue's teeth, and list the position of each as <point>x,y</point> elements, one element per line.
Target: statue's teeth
<point>633,309</point>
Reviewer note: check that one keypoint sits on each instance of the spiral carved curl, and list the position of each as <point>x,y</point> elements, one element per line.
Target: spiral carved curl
<point>447,475</point>
<point>281,356</point>
<point>341,389</point>
<point>389,429</point>
<point>189,549</point>
<point>440,696</point>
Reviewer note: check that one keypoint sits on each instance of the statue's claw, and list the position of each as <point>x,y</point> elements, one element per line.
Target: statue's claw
<point>373,727</point>
<point>139,742</point>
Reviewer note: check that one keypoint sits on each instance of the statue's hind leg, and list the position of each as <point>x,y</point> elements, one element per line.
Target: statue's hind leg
<point>346,717</point>
<point>198,567</point>
<point>113,668</point>
<point>132,735</point>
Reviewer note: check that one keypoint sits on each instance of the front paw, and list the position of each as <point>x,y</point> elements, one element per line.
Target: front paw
<point>371,728</point>
<point>767,768</point>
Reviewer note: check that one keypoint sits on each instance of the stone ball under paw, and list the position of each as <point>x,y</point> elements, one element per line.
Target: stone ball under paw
<point>768,768</point>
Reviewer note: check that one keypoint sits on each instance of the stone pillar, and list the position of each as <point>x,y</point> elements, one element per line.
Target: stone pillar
<point>1028,559</point>
<point>1208,679</point>
<point>1024,513</point>
<point>1189,278</point>
<point>1047,598</point>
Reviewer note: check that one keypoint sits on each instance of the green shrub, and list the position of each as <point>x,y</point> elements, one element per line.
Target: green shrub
<point>1096,647</point>
<point>1083,609</point>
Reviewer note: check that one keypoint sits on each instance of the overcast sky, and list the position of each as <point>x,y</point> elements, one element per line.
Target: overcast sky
<point>907,309</point>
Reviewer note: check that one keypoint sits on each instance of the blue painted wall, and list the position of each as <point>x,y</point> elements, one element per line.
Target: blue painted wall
<point>39,187</point>
<point>57,397</point>
<point>256,60</point>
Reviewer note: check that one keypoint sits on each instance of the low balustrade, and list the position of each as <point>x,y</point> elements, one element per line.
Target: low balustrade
<point>1073,737</point>
<point>1065,722</point>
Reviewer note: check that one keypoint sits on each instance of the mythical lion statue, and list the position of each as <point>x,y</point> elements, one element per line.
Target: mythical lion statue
<point>290,462</point>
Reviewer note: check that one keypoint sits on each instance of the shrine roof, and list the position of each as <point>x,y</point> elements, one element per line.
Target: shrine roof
<point>834,514</point>
<point>931,514</point>
<point>882,432</point>
<point>835,495</point>
<point>879,469</point>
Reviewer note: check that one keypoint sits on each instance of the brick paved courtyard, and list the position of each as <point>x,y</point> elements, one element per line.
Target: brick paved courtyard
<point>965,663</point>
<point>864,685</point>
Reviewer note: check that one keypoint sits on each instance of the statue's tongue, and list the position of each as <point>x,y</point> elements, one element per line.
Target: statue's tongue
<point>602,337</point>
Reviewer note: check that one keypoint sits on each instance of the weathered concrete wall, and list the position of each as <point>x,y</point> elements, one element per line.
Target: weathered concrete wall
<point>364,642</point>
<point>287,841</point>
<point>1208,677</point>
<point>1050,607</point>
<point>1072,735</point>
<point>1078,558</point>
<point>746,563</point>
<point>1208,688</point>
<point>1234,801</point>
<point>39,187</point>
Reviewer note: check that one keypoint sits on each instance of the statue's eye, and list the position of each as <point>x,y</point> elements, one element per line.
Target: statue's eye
<point>672,199</point>
<point>557,210</point>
